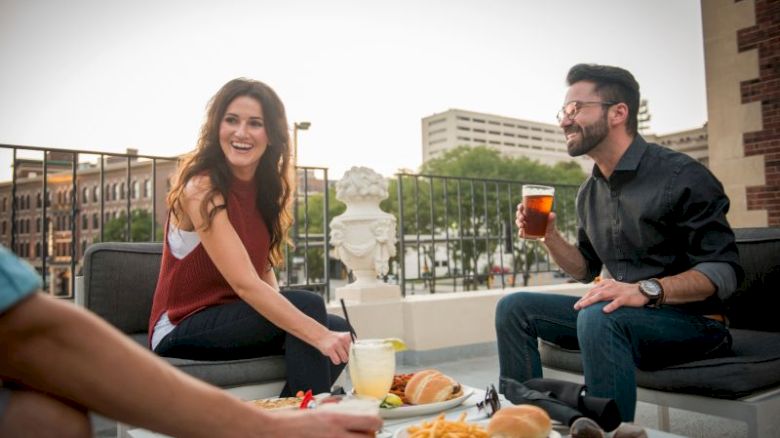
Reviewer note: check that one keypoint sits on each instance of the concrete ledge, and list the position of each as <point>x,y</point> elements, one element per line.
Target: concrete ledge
<point>440,327</point>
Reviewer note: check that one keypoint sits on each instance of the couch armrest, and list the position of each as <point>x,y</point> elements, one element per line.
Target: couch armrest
<point>119,282</point>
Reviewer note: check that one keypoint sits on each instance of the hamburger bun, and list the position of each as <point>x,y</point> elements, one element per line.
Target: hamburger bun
<point>521,421</point>
<point>431,386</point>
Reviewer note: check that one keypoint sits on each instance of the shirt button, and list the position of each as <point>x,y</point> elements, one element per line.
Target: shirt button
<point>620,277</point>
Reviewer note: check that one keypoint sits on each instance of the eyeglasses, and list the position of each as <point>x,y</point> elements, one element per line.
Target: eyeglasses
<point>571,109</point>
<point>491,404</point>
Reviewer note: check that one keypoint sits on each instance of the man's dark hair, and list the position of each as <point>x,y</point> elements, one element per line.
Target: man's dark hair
<point>613,84</point>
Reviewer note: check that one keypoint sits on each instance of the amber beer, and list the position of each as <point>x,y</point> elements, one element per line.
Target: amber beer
<point>537,203</point>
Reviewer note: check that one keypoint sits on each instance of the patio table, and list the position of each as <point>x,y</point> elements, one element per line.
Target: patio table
<point>391,426</point>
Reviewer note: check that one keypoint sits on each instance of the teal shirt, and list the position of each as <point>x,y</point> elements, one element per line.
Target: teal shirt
<point>17,279</point>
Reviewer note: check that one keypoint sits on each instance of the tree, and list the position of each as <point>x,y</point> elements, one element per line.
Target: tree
<point>310,222</point>
<point>477,206</point>
<point>115,230</point>
<point>643,117</point>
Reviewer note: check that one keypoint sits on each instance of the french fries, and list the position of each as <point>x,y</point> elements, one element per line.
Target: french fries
<point>441,428</point>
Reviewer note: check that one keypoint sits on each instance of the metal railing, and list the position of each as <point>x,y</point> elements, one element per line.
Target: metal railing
<point>79,212</point>
<point>457,233</point>
<point>307,264</point>
<point>454,233</point>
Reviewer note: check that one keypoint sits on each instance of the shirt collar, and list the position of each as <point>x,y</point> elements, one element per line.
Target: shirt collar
<point>630,159</point>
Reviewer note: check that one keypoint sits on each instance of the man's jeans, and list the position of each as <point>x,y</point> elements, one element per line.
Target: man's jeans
<point>612,344</point>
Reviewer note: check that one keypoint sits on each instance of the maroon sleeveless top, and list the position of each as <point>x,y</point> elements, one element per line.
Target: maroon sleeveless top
<point>193,283</point>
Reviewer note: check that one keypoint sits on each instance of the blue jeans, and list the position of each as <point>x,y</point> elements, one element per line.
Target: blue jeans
<point>236,331</point>
<point>612,345</point>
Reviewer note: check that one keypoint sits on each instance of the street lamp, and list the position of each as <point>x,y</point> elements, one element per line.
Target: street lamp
<point>303,126</point>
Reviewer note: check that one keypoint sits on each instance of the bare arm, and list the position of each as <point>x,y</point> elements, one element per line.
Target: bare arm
<point>92,356</point>
<point>269,277</point>
<point>686,287</point>
<point>229,255</point>
<point>566,255</point>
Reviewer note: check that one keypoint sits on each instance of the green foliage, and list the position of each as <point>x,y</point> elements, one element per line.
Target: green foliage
<point>475,207</point>
<point>310,217</point>
<point>115,230</point>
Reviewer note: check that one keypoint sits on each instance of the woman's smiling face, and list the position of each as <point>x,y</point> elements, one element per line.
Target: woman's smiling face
<point>242,136</point>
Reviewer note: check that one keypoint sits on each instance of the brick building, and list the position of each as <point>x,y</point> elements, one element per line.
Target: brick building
<point>742,64</point>
<point>75,213</point>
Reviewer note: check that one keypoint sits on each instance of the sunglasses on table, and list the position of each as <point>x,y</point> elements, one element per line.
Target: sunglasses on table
<point>491,404</point>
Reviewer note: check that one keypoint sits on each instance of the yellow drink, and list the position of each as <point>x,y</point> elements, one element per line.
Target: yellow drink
<point>371,367</point>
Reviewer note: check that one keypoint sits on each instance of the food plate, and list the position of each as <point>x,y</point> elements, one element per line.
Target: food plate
<point>277,403</point>
<point>402,433</point>
<point>430,408</point>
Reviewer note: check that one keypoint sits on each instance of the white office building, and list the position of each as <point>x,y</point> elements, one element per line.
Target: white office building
<point>693,142</point>
<point>542,142</point>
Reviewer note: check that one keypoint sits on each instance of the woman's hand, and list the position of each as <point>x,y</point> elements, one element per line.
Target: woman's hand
<point>335,345</point>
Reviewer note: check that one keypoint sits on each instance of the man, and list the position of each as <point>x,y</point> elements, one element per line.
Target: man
<point>653,223</point>
<point>62,361</point>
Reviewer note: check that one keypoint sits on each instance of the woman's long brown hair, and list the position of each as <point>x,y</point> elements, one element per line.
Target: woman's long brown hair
<point>273,175</point>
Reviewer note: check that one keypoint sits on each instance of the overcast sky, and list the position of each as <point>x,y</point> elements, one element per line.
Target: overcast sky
<point>106,75</point>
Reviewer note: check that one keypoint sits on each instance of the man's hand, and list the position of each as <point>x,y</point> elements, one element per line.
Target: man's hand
<point>521,222</point>
<point>323,424</point>
<point>620,294</point>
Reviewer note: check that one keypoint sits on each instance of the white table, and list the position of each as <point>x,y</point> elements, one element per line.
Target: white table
<point>393,425</point>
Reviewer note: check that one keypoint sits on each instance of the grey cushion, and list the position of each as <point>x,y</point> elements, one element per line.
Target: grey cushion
<point>755,363</point>
<point>755,303</point>
<point>119,283</point>
<point>229,373</point>
<point>754,366</point>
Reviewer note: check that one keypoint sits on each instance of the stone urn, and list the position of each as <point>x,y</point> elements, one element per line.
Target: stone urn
<point>364,237</point>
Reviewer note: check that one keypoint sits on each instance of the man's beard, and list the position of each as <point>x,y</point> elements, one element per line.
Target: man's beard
<point>590,136</point>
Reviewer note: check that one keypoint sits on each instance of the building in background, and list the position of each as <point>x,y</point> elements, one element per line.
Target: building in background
<point>692,142</point>
<point>542,142</point>
<point>75,213</point>
<point>741,58</point>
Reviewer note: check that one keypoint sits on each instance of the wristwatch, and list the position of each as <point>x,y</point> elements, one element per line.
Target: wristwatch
<point>653,290</point>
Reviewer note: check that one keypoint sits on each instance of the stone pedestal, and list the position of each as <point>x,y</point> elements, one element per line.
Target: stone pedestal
<point>369,293</point>
<point>363,237</point>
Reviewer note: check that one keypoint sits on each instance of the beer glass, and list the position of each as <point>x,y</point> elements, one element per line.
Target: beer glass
<point>372,367</point>
<point>537,203</point>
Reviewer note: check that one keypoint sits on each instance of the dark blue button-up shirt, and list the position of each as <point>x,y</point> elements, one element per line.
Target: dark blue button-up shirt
<point>659,214</point>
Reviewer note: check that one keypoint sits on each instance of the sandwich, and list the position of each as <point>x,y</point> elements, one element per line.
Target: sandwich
<point>520,421</point>
<point>431,386</point>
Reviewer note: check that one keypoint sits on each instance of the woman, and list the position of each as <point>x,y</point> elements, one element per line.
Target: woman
<point>217,297</point>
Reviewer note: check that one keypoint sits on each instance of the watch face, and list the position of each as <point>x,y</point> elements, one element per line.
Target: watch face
<point>650,287</point>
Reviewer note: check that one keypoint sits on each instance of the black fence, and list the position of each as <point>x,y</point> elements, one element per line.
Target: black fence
<point>454,234</point>
<point>459,234</point>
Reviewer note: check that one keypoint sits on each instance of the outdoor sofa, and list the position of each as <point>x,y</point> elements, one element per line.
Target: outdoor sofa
<point>118,284</point>
<point>744,386</point>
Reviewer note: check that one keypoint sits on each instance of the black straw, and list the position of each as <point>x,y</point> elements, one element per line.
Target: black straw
<point>349,324</point>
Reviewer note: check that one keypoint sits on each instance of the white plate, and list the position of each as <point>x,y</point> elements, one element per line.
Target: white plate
<point>402,433</point>
<point>430,408</point>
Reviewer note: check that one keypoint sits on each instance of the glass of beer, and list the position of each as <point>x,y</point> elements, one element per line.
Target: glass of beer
<point>537,203</point>
<point>372,367</point>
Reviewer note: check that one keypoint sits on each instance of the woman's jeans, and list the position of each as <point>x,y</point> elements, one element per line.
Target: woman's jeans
<point>236,331</point>
<point>612,344</point>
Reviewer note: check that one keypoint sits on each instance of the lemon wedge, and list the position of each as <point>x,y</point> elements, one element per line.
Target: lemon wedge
<point>398,344</point>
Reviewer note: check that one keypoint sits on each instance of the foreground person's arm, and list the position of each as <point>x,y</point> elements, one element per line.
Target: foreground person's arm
<point>101,369</point>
